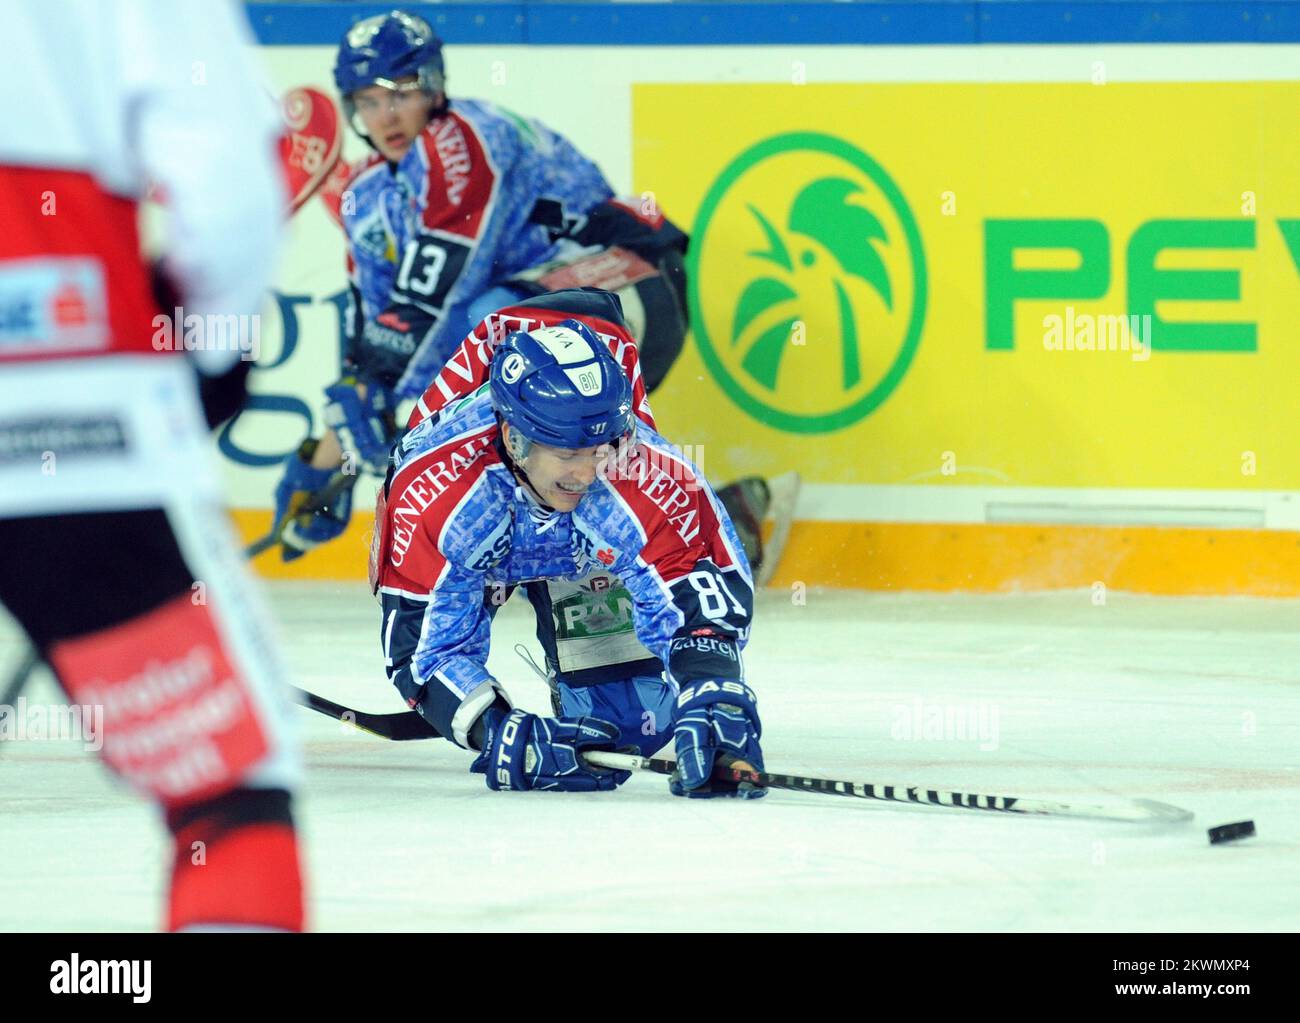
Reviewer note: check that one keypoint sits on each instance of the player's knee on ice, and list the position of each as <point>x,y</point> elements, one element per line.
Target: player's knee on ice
<point>641,707</point>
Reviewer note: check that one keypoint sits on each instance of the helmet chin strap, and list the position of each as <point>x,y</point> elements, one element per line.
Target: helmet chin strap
<point>516,447</point>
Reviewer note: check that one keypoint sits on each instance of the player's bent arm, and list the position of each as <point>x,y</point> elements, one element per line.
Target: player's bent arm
<point>693,604</point>
<point>702,624</point>
<point>436,646</point>
<point>716,718</point>
<point>435,653</point>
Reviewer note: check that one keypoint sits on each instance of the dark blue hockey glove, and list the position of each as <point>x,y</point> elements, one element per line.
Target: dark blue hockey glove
<point>302,524</point>
<point>365,426</point>
<point>524,751</point>
<point>715,720</point>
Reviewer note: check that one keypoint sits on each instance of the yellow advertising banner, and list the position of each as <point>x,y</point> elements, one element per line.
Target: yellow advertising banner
<point>1064,285</point>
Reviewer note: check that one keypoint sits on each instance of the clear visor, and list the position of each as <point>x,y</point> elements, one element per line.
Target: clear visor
<point>395,98</point>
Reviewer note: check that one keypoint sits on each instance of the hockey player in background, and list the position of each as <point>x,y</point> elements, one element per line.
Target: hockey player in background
<point>119,562</point>
<point>534,460</point>
<point>463,208</point>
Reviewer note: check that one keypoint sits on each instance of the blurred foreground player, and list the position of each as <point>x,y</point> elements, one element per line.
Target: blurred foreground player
<point>537,463</point>
<point>118,560</point>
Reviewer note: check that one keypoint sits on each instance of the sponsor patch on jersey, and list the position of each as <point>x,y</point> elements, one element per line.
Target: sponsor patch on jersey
<point>372,237</point>
<point>594,624</point>
<point>420,491</point>
<point>586,614</point>
<point>611,270</point>
<point>666,493</point>
<point>64,436</point>
<point>724,646</point>
<point>52,304</point>
<point>493,548</point>
<point>568,346</point>
<point>453,152</point>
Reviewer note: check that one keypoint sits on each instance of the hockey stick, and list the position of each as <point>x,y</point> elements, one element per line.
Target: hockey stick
<point>409,725</point>
<point>399,727</point>
<point>320,501</point>
<point>1135,810</point>
<point>311,143</point>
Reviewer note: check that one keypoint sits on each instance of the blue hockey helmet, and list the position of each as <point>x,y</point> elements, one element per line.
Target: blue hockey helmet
<point>560,386</point>
<point>382,49</point>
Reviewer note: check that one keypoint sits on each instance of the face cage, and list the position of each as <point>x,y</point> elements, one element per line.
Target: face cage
<point>428,80</point>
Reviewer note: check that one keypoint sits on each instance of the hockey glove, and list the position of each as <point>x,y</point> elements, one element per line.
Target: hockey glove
<point>366,426</point>
<point>717,721</point>
<point>304,519</point>
<point>524,751</point>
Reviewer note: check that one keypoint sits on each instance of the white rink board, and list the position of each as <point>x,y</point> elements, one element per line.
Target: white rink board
<point>1189,701</point>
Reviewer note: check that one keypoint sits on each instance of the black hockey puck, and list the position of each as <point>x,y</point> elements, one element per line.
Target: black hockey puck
<point>1231,832</point>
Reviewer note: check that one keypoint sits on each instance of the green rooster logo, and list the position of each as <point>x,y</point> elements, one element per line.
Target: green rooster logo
<point>822,222</point>
<point>838,261</point>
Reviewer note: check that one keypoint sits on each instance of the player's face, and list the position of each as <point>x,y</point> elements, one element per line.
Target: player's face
<point>561,476</point>
<point>394,117</point>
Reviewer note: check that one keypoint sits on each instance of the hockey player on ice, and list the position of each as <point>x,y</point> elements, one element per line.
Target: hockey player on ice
<point>110,508</point>
<point>536,462</point>
<point>463,208</point>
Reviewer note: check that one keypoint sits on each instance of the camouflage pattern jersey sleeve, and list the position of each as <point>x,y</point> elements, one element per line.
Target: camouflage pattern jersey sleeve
<point>657,524</point>
<point>442,515</point>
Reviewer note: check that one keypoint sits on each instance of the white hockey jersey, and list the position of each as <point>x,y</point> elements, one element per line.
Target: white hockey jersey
<point>103,100</point>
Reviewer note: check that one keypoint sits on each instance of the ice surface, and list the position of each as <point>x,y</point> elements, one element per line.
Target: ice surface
<point>1188,701</point>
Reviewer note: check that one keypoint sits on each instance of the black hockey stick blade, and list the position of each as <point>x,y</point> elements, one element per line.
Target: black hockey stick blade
<point>400,727</point>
